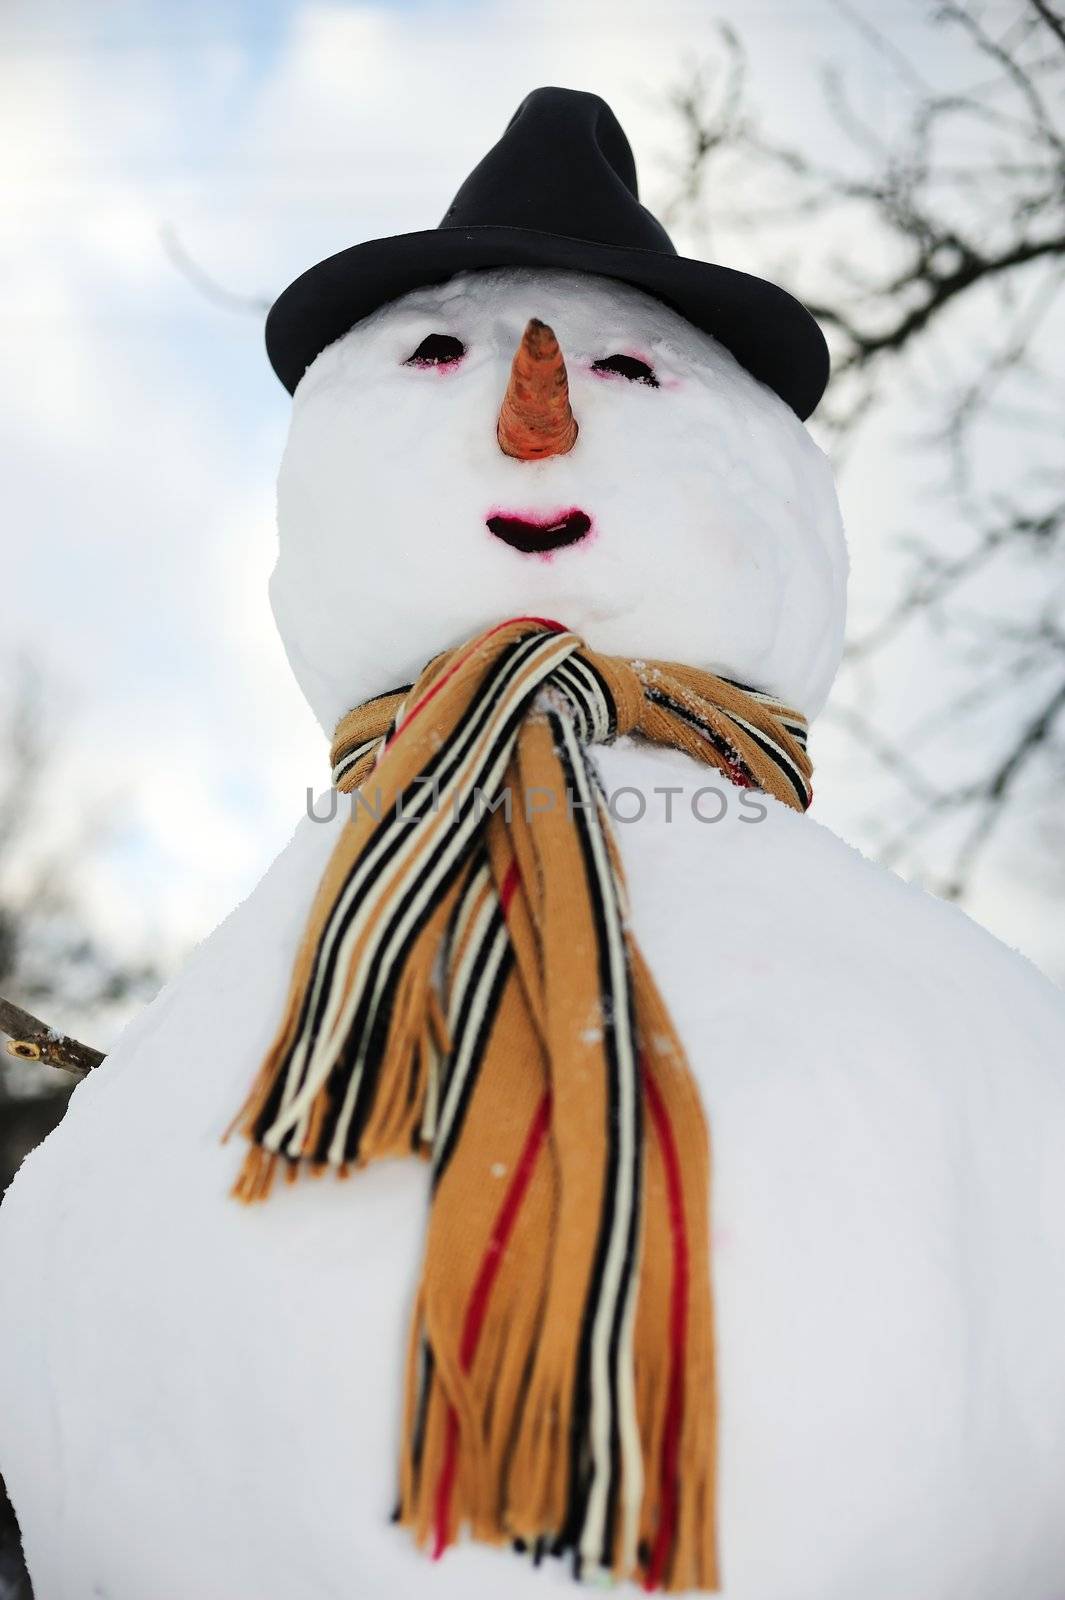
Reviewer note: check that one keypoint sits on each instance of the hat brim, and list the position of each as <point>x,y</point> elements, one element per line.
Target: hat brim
<point>766,329</point>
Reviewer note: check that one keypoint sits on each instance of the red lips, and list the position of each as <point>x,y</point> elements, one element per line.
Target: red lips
<point>537,537</point>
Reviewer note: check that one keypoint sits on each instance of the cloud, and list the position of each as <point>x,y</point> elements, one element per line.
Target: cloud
<point>140,425</point>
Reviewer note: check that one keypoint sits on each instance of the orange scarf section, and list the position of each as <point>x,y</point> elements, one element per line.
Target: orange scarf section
<point>468,988</point>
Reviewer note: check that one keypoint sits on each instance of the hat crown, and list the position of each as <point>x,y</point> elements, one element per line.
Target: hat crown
<point>558,190</point>
<point>563,165</point>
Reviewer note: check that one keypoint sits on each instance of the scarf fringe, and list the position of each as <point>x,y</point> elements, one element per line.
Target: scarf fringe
<point>469,990</point>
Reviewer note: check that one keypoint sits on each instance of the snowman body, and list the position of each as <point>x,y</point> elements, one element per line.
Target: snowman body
<point>204,1399</point>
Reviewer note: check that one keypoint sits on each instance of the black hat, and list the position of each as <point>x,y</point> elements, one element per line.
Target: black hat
<point>558,190</point>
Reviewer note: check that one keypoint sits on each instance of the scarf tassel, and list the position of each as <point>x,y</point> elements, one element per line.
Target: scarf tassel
<point>560,1371</point>
<point>416,1043</point>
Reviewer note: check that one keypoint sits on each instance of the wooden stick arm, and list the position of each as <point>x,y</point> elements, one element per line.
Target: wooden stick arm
<point>30,1039</point>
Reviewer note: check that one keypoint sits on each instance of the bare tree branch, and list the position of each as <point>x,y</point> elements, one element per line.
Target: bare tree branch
<point>1055,23</point>
<point>931,246</point>
<point>30,1039</point>
<point>997,787</point>
<point>225,299</point>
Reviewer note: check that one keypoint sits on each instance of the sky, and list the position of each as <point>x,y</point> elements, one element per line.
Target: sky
<point>140,424</point>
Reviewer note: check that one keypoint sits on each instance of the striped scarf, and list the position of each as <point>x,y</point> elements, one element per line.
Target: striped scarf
<point>468,987</point>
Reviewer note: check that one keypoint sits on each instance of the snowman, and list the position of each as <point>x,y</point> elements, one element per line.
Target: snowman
<point>736,1260</point>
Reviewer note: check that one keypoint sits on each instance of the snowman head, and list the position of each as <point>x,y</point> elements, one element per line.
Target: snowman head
<point>687,516</point>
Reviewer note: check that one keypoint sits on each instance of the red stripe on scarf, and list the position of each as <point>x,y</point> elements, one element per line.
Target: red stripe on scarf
<point>477,1306</point>
<point>431,693</point>
<point>678,1319</point>
<point>511,880</point>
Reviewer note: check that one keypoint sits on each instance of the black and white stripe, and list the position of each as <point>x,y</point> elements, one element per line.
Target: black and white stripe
<point>414,856</point>
<point>777,754</point>
<point>606,1472</point>
<point>769,747</point>
<point>475,988</point>
<point>589,698</point>
<point>347,759</point>
<point>795,725</point>
<point>351,758</point>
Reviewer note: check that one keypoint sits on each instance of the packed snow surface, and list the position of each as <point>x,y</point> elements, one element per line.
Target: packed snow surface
<point>715,538</point>
<point>203,1400</point>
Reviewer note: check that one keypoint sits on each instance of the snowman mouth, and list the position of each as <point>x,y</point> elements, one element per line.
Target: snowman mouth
<point>536,537</point>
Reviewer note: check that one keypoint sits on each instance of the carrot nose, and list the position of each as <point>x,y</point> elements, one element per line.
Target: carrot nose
<point>535,419</point>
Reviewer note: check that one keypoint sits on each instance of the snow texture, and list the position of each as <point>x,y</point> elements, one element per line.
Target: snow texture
<point>716,535</point>
<point>199,1399</point>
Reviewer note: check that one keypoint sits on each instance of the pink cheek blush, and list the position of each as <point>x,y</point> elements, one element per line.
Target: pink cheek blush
<point>440,368</point>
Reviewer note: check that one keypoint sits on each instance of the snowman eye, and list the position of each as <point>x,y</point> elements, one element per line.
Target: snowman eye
<point>627,367</point>
<point>437,350</point>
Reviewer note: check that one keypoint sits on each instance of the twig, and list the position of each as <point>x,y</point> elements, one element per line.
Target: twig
<point>30,1039</point>
<point>210,288</point>
<point>962,198</point>
<point>883,46</point>
<point>996,787</point>
<point>1051,18</point>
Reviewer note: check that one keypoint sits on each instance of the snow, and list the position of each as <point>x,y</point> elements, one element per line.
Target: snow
<point>202,1399</point>
<point>716,533</point>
